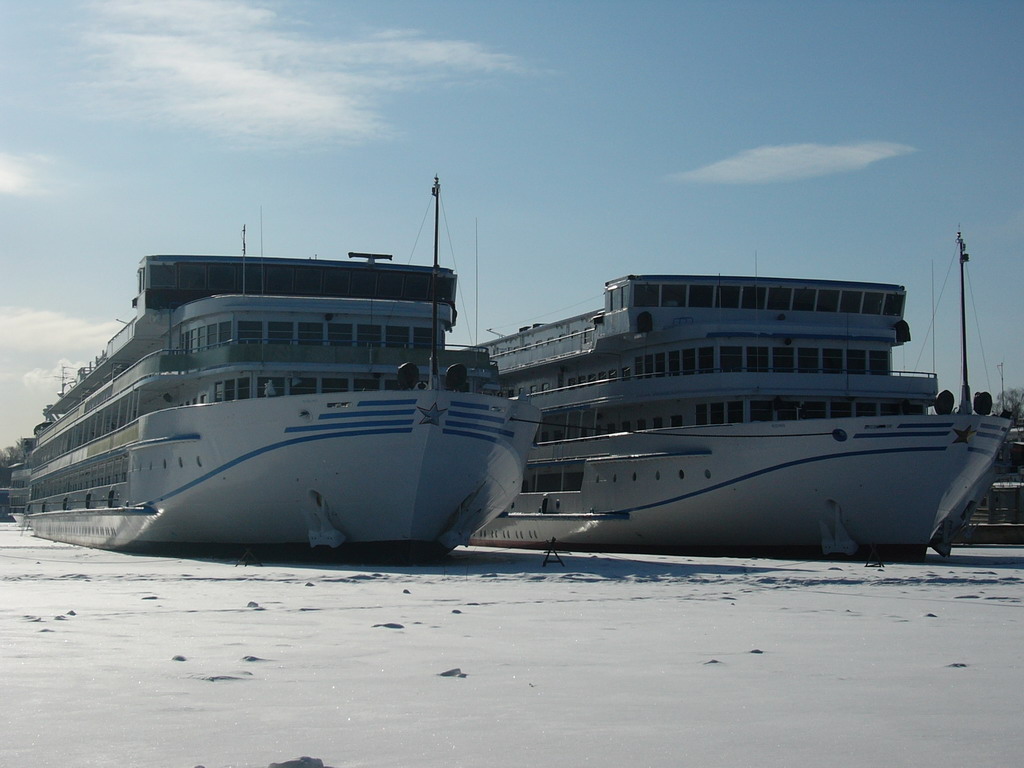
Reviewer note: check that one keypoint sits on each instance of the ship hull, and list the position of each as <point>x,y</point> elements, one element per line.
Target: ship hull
<point>832,486</point>
<point>360,474</point>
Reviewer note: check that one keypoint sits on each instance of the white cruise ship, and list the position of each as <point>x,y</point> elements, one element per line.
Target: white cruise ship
<point>281,402</point>
<point>718,414</point>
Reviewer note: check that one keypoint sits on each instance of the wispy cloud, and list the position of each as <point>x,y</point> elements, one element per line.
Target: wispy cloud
<point>789,162</point>
<point>21,176</point>
<point>41,333</point>
<point>236,69</point>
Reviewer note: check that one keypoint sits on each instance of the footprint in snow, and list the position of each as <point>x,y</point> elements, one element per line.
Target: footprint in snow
<point>454,672</point>
<point>391,625</point>
<point>252,658</point>
<point>956,665</point>
<point>713,661</point>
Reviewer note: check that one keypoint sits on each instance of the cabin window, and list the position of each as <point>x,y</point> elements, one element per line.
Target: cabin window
<point>857,361</point>
<point>757,359</point>
<point>421,337</point>
<point>331,385</point>
<point>734,411</point>
<point>872,303</point>
<point>279,279</point>
<point>309,280</point>
<point>336,282</point>
<point>368,335</point>
<point>417,287</point>
<point>753,297</point>
<point>311,333</point>
<point>250,331</point>
<point>673,295</point>
<point>366,385</point>
<point>702,295</point>
<point>893,305</point>
<point>303,386</point>
<point>645,295</point>
<point>242,387</point>
<point>279,332</point>
<point>814,409</point>
<point>689,361</point>
<point>878,361</point>
<point>828,300</point>
<point>841,409</point>
<point>673,363</point>
<point>782,359</point>
<point>339,334</point>
<point>832,360</point>
<point>803,300</point>
<point>716,413</point>
<point>729,296</point>
<point>389,286</point>
<point>851,301</point>
<point>162,276</point>
<point>706,359</point>
<point>253,278</point>
<point>731,359</point>
<point>779,298</point>
<point>270,386</point>
<point>363,284</point>
<point>785,411</point>
<point>760,410</point>
<point>192,276</point>
<point>867,409</point>
<point>397,335</point>
<point>807,359</point>
<point>221,277</point>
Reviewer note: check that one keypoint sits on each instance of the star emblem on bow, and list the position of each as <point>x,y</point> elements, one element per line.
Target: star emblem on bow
<point>431,415</point>
<point>964,435</point>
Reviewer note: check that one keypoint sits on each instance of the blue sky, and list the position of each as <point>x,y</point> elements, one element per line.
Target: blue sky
<point>575,141</point>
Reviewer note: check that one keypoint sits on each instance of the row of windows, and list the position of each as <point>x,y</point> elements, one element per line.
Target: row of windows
<point>730,359</point>
<point>762,359</point>
<point>280,386</point>
<point>307,333</point>
<point>775,298</point>
<point>729,412</point>
<point>102,473</point>
<point>302,279</point>
<point>106,420</point>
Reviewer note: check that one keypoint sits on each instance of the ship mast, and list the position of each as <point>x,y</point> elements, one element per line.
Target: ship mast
<point>434,378</point>
<point>965,392</point>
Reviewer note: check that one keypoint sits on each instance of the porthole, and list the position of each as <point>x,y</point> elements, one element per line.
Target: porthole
<point>615,478</point>
<point>181,462</point>
<point>634,477</point>
<point>681,474</point>
<point>199,462</point>
<point>707,473</point>
<point>165,463</point>
<point>657,475</point>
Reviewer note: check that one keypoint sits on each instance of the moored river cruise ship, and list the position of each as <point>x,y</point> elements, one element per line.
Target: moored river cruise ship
<point>300,404</point>
<point>718,414</point>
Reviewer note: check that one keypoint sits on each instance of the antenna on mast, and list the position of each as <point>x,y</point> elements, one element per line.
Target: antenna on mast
<point>243,259</point>
<point>434,378</point>
<point>965,392</point>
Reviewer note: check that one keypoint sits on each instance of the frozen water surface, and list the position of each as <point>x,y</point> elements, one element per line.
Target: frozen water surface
<point>492,659</point>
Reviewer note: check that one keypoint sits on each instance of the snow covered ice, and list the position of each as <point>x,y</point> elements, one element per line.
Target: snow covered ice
<point>491,658</point>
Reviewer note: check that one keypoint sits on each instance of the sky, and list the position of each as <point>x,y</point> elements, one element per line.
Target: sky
<point>492,658</point>
<point>575,142</point>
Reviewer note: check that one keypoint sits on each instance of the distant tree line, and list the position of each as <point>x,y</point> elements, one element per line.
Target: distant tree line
<point>15,454</point>
<point>1012,402</point>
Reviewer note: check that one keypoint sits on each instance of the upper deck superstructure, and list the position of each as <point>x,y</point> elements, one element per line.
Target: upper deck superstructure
<point>720,413</point>
<point>734,348</point>
<point>280,401</point>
